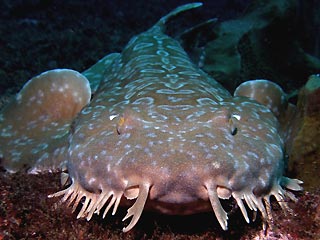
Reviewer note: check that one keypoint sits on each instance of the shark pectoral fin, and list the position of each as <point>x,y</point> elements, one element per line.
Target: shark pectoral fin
<point>264,92</point>
<point>35,124</point>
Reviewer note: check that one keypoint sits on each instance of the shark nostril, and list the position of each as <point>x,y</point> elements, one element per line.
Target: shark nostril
<point>132,192</point>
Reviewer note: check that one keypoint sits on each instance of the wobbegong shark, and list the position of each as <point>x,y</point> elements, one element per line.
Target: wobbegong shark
<point>147,125</point>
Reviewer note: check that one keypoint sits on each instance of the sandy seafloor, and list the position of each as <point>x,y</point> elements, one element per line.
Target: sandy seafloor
<point>39,35</point>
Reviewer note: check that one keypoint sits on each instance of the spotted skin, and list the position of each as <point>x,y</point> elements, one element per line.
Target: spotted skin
<point>161,131</point>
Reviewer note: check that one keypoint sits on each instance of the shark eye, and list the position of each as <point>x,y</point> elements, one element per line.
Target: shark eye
<point>233,124</point>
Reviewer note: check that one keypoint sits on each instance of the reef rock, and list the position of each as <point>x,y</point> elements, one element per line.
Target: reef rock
<point>264,43</point>
<point>305,153</point>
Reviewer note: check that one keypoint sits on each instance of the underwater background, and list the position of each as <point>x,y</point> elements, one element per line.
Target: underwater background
<point>278,40</point>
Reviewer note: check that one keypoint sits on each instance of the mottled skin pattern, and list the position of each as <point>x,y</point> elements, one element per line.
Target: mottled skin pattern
<point>161,130</point>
